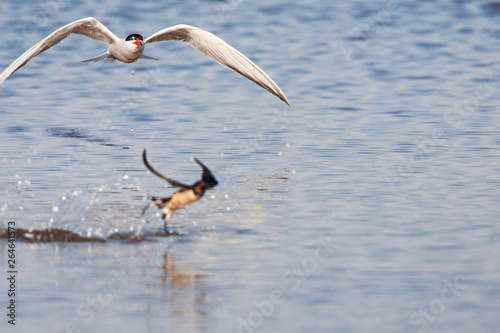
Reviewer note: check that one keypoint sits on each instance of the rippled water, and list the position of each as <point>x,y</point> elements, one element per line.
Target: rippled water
<point>371,205</point>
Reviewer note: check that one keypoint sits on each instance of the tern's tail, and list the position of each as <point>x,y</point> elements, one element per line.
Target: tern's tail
<point>102,57</point>
<point>148,58</point>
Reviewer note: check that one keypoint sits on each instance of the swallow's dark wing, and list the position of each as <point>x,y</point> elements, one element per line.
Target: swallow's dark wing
<point>207,175</point>
<point>172,182</point>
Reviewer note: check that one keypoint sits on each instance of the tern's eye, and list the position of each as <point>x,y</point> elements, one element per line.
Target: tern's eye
<point>134,37</point>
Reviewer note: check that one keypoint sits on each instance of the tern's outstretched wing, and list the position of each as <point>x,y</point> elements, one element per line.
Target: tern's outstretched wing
<point>89,27</point>
<point>220,51</point>
<point>172,182</point>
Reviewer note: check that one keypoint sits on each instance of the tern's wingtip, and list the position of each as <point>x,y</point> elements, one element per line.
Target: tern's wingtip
<point>284,99</point>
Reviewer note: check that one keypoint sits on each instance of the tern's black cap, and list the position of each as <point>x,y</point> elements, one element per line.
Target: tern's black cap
<point>134,36</point>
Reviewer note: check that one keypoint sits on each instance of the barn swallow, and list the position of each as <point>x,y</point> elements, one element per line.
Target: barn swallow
<point>130,49</point>
<point>184,196</point>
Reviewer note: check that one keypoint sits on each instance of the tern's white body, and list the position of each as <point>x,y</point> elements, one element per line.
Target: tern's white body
<point>130,49</point>
<point>124,52</point>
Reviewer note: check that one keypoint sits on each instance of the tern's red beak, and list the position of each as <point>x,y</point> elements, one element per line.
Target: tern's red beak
<point>137,42</point>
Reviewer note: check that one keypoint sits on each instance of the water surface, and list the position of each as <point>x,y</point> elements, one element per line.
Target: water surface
<point>371,205</point>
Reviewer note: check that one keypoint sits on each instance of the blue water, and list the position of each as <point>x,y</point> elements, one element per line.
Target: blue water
<point>371,205</point>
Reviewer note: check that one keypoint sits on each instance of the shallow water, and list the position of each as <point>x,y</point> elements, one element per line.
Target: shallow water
<point>371,205</point>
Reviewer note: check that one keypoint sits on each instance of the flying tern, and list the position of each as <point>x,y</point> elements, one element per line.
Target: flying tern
<point>130,49</point>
